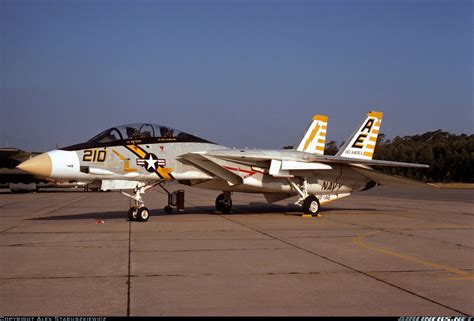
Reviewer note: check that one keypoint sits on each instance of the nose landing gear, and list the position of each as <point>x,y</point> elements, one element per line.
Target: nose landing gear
<point>138,211</point>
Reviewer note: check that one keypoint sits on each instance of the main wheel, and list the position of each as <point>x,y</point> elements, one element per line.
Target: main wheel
<point>132,213</point>
<point>223,203</point>
<point>311,205</point>
<point>143,214</point>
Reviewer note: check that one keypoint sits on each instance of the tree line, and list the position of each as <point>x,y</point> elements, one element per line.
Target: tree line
<point>449,156</point>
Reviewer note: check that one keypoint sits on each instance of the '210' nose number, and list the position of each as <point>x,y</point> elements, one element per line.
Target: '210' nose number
<point>94,155</point>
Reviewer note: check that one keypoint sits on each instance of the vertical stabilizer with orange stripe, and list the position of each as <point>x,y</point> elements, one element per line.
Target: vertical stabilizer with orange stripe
<point>315,137</point>
<point>361,144</point>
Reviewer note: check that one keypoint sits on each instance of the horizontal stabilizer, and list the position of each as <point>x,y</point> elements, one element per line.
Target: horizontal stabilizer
<point>391,180</point>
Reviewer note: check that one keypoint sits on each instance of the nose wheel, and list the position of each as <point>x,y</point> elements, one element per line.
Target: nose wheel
<point>132,213</point>
<point>140,214</point>
<point>224,203</point>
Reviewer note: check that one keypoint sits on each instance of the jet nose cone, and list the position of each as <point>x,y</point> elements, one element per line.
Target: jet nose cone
<point>40,165</point>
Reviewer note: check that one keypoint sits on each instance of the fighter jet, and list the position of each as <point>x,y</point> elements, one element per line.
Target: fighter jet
<point>140,156</point>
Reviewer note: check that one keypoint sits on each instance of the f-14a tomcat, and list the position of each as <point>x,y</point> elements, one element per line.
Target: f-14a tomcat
<point>139,156</point>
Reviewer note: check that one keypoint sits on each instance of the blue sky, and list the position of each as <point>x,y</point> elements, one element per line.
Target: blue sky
<point>241,73</point>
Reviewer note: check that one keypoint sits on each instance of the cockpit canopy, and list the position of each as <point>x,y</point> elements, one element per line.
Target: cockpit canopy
<point>137,134</point>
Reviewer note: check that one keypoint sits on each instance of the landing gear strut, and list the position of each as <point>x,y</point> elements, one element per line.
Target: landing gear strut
<point>224,203</point>
<point>175,198</point>
<point>310,203</point>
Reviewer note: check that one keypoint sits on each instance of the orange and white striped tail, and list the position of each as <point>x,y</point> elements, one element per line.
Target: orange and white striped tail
<point>315,137</point>
<point>361,144</point>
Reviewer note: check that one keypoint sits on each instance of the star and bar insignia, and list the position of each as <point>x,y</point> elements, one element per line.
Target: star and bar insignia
<point>151,162</point>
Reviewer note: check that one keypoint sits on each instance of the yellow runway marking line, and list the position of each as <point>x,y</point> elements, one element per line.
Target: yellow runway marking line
<point>359,240</point>
<point>461,278</point>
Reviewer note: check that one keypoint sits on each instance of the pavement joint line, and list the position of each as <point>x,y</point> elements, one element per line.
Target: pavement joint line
<point>198,239</point>
<point>213,274</point>
<point>317,237</point>
<point>431,228</point>
<point>359,240</point>
<point>55,243</point>
<point>412,200</point>
<point>425,220</point>
<point>397,231</point>
<point>63,247</point>
<point>62,277</point>
<point>67,232</point>
<point>8,228</point>
<point>422,220</point>
<point>39,213</point>
<point>55,208</point>
<point>214,250</point>
<point>431,210</point>
<point>272,273</point>
<point>129,265</point>
<point>353,269</point>
<point>13,203</point>
<point>461,278</point>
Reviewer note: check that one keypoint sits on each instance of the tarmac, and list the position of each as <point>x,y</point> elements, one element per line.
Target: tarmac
<point>383,252</point>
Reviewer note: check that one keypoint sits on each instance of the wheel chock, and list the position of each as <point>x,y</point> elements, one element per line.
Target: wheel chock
<point>310,215</point>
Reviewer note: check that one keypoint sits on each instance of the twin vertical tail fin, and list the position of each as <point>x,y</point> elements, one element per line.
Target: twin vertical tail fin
<point>361,144</point>
<point>315,137</point>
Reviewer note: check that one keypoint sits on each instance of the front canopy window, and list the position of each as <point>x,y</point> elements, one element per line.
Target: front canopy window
<point>143,132</point>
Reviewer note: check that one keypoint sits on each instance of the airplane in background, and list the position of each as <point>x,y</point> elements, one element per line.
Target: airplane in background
<point>19,181</point>
<point>140,156</point>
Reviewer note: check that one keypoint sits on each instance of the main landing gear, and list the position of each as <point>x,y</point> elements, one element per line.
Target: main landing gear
<point>224,203</point>
<point>310,203</point>
<point>175,199</point>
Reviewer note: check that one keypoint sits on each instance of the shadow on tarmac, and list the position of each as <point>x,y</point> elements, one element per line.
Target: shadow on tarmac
<point>251,209</point>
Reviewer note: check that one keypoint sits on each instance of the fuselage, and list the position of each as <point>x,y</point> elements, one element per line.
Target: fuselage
<point>122,163</point>
<point>111,156</point>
